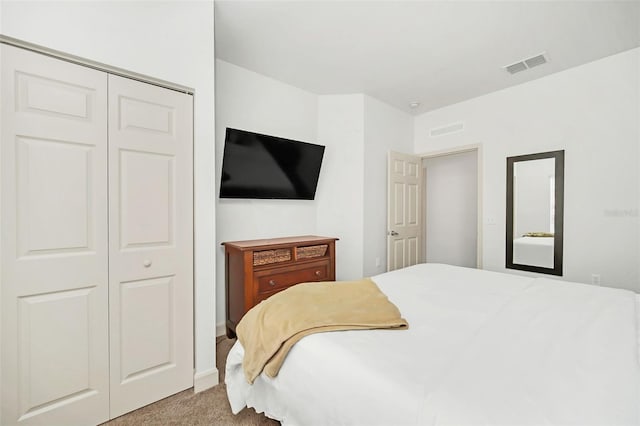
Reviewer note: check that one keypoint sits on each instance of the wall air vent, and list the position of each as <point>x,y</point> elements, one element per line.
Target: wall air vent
<point>525,64</point>
<point>446,130</point>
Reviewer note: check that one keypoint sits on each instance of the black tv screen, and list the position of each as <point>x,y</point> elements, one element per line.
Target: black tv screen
<point>261,166</point>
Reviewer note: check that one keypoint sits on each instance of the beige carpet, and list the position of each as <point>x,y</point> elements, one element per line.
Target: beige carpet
<point>210,407</point>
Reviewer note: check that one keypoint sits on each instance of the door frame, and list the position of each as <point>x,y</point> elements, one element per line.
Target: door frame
<point>479,228</point>
<point>110,69</point>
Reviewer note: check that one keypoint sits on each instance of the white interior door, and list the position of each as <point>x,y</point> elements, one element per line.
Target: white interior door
<point>54,241</point>
<point>150,243</point>
<point>404,228</point>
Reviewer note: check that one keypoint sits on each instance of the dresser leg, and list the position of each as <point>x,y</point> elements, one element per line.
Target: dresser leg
<point>230,334</point>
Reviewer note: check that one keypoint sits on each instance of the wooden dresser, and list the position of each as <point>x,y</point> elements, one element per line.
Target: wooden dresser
<point>256,269</point>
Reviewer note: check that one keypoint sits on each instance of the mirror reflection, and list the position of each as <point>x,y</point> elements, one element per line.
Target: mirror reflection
<point>533,208</point>
<point>534,212</point>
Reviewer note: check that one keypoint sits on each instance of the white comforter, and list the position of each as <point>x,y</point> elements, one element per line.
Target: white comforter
<point>533,251</point>
<point>482,348</point>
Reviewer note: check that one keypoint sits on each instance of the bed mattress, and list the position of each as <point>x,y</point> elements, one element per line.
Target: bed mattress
<point>482,348</point>
<point>533,251</point>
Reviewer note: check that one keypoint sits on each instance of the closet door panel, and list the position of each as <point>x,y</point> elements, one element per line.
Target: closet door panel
<point>54,220</point>
<point>147,216</point>
<point>150,244</point>
<point>54,291</point>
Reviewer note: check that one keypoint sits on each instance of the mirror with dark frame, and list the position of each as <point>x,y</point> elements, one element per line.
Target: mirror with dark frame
<point>535,211</point>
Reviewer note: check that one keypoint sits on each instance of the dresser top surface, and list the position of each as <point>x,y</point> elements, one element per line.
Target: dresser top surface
<point>269,242</point>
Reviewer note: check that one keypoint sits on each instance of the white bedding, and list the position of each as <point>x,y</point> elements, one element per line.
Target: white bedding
<point>534,251</point>
<point>482,348</point>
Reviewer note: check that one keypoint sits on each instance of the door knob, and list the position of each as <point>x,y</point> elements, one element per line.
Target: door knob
<point>393,233</point>
<point>146,263</point>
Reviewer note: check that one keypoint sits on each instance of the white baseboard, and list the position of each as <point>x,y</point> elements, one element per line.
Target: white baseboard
<point>221,329</point>
<point>205,380</point>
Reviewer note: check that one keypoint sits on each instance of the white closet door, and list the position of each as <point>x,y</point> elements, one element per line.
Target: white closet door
<point>54,241</point>
<point>150,243</point>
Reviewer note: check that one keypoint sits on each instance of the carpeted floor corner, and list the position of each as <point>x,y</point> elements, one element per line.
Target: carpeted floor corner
<point>210,407</point>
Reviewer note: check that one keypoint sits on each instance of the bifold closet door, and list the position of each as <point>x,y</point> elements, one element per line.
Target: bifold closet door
<point>150,243</point>
<point>55,362</point>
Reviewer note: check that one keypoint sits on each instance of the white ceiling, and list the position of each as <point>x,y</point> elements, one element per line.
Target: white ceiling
<point>434,52</point>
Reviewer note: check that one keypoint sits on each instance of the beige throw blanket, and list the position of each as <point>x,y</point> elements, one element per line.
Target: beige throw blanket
<point>269,330</point>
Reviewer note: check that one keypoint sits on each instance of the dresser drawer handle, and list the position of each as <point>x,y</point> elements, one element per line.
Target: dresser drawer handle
<point>318,273</point>
<point>272,283</point>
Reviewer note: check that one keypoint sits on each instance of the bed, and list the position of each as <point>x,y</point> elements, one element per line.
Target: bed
<point>533,251</point>
<point>482,348</point>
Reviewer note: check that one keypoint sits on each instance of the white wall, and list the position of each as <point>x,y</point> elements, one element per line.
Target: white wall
<point>354,129</point>
<point>358,132</point>
<point>250,101</point>
<point>385,129</point>
<point>340,190</point>
<point>592,112</point>
<point>172,41</point>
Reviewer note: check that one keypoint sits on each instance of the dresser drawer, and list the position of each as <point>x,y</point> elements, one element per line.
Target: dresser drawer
<point>278,279</point>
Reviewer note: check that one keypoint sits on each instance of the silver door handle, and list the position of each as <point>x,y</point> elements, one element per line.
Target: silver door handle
<point>393,233</point>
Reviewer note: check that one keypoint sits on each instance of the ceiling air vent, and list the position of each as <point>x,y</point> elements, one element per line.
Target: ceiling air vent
<point>525,64</point>
<point>535,61</point>
<point>517,67</point>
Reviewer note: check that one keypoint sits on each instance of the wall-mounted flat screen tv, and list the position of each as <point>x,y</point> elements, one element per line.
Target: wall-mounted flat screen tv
<point>261,166</point>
